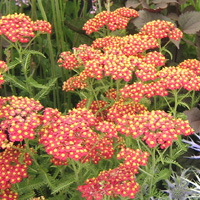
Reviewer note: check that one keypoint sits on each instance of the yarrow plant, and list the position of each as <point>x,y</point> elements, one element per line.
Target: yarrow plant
<point>116,142</point>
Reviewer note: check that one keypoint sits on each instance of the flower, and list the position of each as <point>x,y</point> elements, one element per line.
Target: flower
<point>3,68</point>
<point>73,136</point>
<point>161,29</point>
<point>20,27</point>
<point>155,127</point>
<point>8,194</point>
<point>97,108</point>
<point>191,64</point>
<point>117,19</point>
<point>12,170</point>
<point>74,82</point>
<point>117,181</point>
<point>122,107</point>
<point>19,117</point>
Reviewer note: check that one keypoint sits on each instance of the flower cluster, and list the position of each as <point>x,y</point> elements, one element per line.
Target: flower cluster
<point>3,68</point>
<point>147,65</point>
<point>8,194</point>
<point>117,19</point>
<point>128,45</point>
<point>12,170</point>
<point>75,82</point>
<point>191,64</point>
<point>119,58</point>
<point>72,136</point>
<point>169,78</point>
<point>121,108</point>
<point>97,108</point>
<point>19,117</point>
<point>157,127</point>
<point>20,27</point>
<point>161,29</point>
<point>117,181</point>
<point>176,77</point>
<point>68,60</point>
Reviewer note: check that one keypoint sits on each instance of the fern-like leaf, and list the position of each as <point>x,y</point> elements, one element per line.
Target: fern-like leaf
<point>13,64</point>
<point>35,84</point>
<point>46,90</point>
<point>62,186</point>
<point>171,161</point>
<point>35,183</point>
<point>33,52</point>
<point>50,181</point>
<point>15,81</point>
<point>26,196</point>
<point>26,63</point>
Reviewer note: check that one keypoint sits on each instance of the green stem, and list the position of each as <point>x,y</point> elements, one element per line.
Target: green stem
<point>51,55</point>
<point>99,4</point>
<point>95,96</point>
<point>117,85</point>
<point>153,154</point>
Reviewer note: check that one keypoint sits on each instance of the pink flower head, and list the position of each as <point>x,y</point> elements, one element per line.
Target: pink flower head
<point>12,170</point>
<point>95,107</point>
<point>117,181</point>
<point>73,136</point>
<point>20,27</point>
<point>117,19</point>
<point>19,117</point>
<point>161,29</point>
<point>8,194</point>
<point>156,127</point>
<point>191,64</point>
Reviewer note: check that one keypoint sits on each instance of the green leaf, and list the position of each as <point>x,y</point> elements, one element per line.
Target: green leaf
<point>46,90</point>
<point>184,105</point>
<point>89,101</point>
<point>13,64</point>
<point>29,185</point>
<point>33,52</point>
<point>26,63</point>
<point>27,196</point>
<point>62,186</point>
<point>15,81</point>
<point>49,180</point>
<point>189,22</point>
<point>171,161</point>
<point>35,84</point>
<point>163,174</point>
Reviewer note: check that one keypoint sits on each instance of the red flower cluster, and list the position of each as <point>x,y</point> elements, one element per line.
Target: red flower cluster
<point>20,27</point>
<point>3,68</point>
<point>161,29</point>
<point>169,78</point>
<point>95,107</point>
<point>75,82</point>
<point>119,58</point>
<point>121,108</point>
<point>117,19</point>
<point>12,170</point>
<point>191,64</point>
<point>176,77</point>
<point>118,181</point>
<point>157,127</point>
<point>68,60</point>
<point>72,136</point>
<point>8,194</point>
<point>147,65</point>
<point>128,45</point>
<point>19,117</point>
